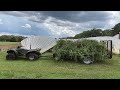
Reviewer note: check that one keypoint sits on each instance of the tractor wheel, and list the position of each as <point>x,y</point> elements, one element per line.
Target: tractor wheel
<point>56,57</point>
<point>87,60</point>
<point>11,56</point>
<point>32,56</point>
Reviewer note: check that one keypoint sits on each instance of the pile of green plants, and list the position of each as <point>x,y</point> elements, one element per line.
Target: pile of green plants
<point>79,50</point>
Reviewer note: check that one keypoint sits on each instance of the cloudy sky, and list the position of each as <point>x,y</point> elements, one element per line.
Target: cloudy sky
<point>55,23</point>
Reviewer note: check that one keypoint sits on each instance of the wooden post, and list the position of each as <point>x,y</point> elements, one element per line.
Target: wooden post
<point>110,50</point>
<point>119,35</point>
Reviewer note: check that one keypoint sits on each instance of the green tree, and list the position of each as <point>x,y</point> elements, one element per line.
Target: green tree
<point>107,32</point>
<point>116,29</point>
<point>90,33</point>
<point>11,38</point>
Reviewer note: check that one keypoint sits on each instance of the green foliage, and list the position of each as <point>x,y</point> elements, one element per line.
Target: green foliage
<point>90,33</point>
<point>77,51</point>
<point>11,38</point>
<point>107,32</point>
<point>116,29</point>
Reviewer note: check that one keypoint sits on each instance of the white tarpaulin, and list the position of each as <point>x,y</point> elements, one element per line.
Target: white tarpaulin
<point>38,42</point>
<point>115,42</point>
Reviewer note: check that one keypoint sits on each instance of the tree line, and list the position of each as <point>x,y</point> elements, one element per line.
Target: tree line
<point>11,38</point>
<point>98,32</point>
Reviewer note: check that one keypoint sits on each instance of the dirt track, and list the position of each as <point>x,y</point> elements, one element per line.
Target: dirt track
<point>5,47</point>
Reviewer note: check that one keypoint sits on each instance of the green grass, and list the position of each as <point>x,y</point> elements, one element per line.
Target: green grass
<point>47,68</point>
<point>9,43</point>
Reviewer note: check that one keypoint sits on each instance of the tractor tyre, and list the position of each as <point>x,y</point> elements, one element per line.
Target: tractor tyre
<point>32,56</point>
<point>10,56</point>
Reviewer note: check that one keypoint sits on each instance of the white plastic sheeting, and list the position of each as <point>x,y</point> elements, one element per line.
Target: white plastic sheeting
<point>38,42</point>
<point>115,42</point>
<point>72,39</point>
<point>116,36</point>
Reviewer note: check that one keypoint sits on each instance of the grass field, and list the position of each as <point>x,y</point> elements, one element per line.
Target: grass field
<point>47,68</point>
<point>9,43</point>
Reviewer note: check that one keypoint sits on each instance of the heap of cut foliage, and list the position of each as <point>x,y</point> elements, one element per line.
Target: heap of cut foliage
<point>77,51</point>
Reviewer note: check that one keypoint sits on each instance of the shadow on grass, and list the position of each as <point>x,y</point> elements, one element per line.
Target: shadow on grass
<point>48,56</point>
<point>25,59</point>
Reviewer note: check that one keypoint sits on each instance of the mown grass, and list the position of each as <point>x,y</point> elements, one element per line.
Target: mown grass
<point>47,68</point>
<point>9,43</point>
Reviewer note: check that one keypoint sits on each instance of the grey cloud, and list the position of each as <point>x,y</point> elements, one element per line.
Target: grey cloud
<point>96,24</point>
<point>19,13</point>
<point>62,15</point>
<point>62,23</point>
<point>14,13</point>
<point>36,19</point>
<point>72,16</point>
<point>26,14</point>
<point>85,19</point>
<point>93,16</point>
<point>78,16</point>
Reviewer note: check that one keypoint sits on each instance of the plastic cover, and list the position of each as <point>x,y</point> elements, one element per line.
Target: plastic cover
<point>38,42</point>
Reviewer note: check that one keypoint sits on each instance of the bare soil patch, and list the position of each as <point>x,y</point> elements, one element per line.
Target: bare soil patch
<point>5,47</point>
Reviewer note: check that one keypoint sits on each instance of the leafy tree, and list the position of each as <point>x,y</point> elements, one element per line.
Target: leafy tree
<point>107,32</point>
<point>11,38</point>
<point>116,29</point>
<point>90,33</point>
